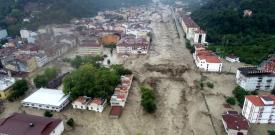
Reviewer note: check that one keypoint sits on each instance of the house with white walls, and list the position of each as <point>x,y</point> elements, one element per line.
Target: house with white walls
<point>207,61</point>
<point>234,123</point>
<point>253,78</point>
<point>97,104</point>
<point>259,108</point>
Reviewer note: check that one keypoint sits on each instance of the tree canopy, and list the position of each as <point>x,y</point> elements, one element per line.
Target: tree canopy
<point>12,12</point>
<point>81,60</point>
<point>230,32</point>
<point>91,81</point>
<point>43,79</point>
<point>148,99</point>
<point>18,89</point>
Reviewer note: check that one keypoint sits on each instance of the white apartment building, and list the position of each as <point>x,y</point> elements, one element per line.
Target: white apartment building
<point>3,33</point>
<point>193,32</point>
<point>89,48</point>
<point>198,36</point>
<point>41,59</point>
<point>251,78</point>
<point>259,109</point>
<point>47,99</point>
<point>207,61</point>
<point>188,25</point>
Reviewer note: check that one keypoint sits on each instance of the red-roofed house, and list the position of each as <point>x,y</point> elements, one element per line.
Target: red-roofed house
<point>24,124</point>
<point>188,24</point>
<point>97,104</point>
<point>81,102</point>
<point>121,92</point>
<point>269,65</point>
<point>259,109</point>
<point>207,61</point>
<point>234,124</point>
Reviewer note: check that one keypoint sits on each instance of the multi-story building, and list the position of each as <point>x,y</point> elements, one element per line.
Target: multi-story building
<point>207,60</point>
<point>120,95</point>
<point>41,59</point>
<point>132,45</point>
<point>89,48</point>
<point>193,32</point>
<point>252,78</point>
<point>188,25</point>
<point>269,65</point>
<point>259,109</point>
<point>3,33</point>
<point>5,86</point>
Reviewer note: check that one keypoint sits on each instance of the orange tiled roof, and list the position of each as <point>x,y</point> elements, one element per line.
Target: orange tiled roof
<point>256,100</point>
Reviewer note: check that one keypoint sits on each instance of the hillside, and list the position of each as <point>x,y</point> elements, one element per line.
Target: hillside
<point>231,32</point>
<point>44,12</point>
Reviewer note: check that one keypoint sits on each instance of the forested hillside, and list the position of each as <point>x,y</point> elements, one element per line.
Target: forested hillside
<point>231,32</point>
<point>44,12</point>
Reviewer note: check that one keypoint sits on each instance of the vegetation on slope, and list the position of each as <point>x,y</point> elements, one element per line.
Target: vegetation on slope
<point>45,12</point>
<point>249,37</point>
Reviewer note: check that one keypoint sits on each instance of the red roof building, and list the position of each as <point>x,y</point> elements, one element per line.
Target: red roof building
<point>24,124</point>
<point>235,124</point>
<point>115,112</point>
<point>259,108</point>
<point>269,65</point>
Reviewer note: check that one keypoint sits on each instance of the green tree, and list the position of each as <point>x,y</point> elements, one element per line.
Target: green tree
<point>240,94</point>
<point>51,73</point>
<point>18,89</point>
<point>48,114</point>
<point>91,81</point>
<point>71,122</point>
<point>48,75</point>
<point>120,70</point>
<point>148,99</point>
<point>210,85</point>
<point>231,100</point>
<point>40,81</point>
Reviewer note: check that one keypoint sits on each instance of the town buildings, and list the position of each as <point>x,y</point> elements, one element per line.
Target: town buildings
<point>234,123</point>
<point>252,78</point>
<point>93,104</point>
<point>206,60</point>
<point>81,102</point>
<point>6,83</point>
<point>132,45</point>
<point>269,65</point>
<point>193,32</point>
<point>89,48</point>
<point>259,109</point>
<point>3,33</point>
<point>47,99</point>
<point>120,96</point>
<point>25,124</point>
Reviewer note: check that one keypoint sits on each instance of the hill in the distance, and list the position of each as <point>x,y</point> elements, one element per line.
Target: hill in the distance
<point>242,27</point>
<point>12,12</point>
